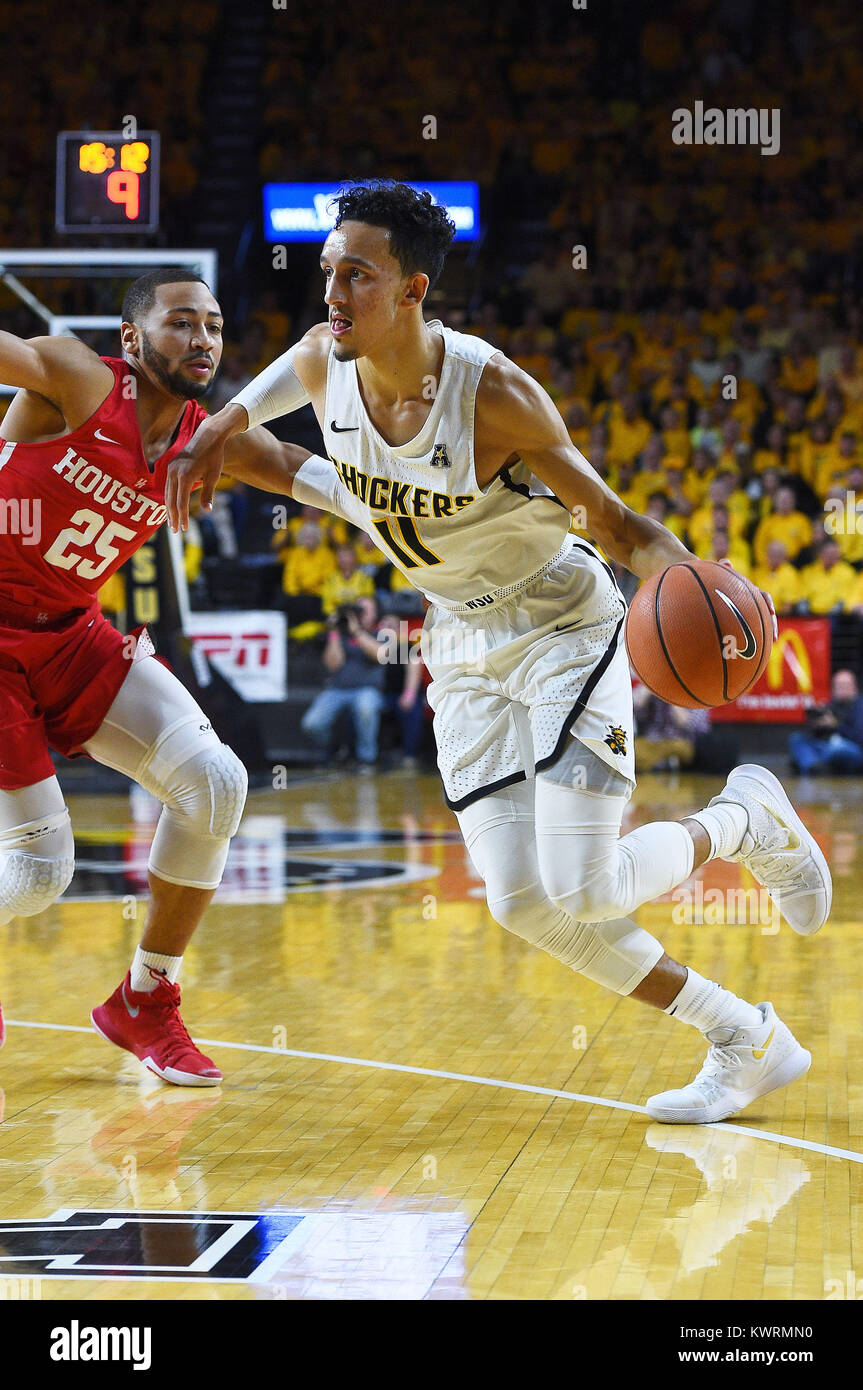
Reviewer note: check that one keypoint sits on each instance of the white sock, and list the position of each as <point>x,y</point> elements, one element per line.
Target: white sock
<point>142,981</point>
<point>726,823</point>
<point>707,1005</point>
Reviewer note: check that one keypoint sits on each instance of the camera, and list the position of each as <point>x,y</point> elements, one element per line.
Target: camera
<point>819,720</point>
<point>339,619</point>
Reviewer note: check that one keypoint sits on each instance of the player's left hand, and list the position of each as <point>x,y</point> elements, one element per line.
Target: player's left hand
<point>768,599</point>
<point>764,594</point>
<point>201,461</point>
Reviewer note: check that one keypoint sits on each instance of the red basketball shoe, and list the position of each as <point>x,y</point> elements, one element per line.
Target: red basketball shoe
<point>150,1026</point>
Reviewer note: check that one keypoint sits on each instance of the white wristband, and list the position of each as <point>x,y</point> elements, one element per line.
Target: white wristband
<point>275,391</point>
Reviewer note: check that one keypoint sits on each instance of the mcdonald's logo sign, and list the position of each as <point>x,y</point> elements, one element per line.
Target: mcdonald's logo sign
<point>797,676</point>
<point>789,650</point>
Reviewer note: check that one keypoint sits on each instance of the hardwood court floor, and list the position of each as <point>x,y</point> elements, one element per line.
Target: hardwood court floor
<point>416,1104</point>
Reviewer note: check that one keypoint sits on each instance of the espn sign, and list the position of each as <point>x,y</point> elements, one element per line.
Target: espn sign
<point>248,649</point>
<point>797,677</point>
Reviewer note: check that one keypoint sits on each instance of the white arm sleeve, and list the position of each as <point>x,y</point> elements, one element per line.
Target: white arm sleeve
<point>275,391</point>
<point>316,485</point>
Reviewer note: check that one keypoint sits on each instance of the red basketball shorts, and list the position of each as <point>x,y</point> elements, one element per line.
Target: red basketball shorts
<point>56,686</point>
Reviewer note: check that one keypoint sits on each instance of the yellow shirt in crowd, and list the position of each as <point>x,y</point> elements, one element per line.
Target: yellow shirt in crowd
<point>739,555</point>
<point>334,527</point>
<point>782,584</point>
<point>701,527</point>
<point>337,590</point>
<point>824,589</point>
<point>794,531</point>
<point>305,571</point>
<point>677,443</point>
<point>801,378</point>
<point>818,464</point>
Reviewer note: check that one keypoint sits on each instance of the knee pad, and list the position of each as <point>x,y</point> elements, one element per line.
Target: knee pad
<point>203,785</point>
<point>615,954</point>
<point>227,784</point>
<point>593,899</point>
<point>37,861</point>
<point>198,777</point>
<point>524,910</point>
<point>502,855</point>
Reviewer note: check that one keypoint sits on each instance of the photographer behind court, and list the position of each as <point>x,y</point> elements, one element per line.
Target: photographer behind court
<point>355,681</point>
<point>833,739</point>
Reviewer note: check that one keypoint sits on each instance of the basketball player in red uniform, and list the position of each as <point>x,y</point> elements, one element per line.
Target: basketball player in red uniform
<point>83,458</point>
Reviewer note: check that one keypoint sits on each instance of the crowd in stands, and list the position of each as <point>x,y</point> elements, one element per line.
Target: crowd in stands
<point>739,464</point>
<point>91,73</point>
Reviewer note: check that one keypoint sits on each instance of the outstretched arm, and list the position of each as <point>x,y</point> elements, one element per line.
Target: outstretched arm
<point>515,413</point>
<point>290,382</point>
<point>516,416</point>
<point>61,370</point>
<point>257,457</point>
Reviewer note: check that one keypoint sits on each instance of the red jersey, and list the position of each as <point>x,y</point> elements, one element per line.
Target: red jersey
<point>73,510</point>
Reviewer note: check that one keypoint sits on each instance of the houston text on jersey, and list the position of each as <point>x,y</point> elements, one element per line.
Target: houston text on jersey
<point>108,491</point>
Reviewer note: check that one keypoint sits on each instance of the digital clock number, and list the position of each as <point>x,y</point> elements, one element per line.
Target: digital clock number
<point>106,183</point>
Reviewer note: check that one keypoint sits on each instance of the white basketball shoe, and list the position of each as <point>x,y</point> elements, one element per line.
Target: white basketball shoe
<point>742,1064</point>
<point>778,850</point>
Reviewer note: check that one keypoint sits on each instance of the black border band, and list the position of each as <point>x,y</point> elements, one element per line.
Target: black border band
<point>578,709</point>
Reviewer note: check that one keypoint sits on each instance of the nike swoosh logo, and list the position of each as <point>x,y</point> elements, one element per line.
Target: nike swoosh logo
<point>100,435</point>
<point>793,840</point>
<point>133,1013</point>
<point>562,627</point>
<point>751,645</point>
<point>758,1053</point>
<point>342,429</point>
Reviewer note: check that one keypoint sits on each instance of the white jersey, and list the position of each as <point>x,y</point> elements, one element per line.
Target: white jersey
<point>523,640</point>
<point>421,503</point>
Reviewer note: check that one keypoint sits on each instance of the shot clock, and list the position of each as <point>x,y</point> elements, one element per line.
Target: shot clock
<point>107,182</point>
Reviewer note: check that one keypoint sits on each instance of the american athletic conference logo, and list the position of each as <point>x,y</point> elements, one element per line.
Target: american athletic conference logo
<point>440,458</point>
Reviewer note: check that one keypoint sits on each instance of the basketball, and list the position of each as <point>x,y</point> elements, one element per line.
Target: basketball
<point>698,634</point>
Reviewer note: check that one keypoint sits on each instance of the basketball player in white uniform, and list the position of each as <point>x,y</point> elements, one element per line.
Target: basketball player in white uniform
<point>460,468</point>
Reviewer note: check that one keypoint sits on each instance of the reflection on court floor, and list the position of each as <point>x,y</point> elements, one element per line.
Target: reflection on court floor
<point>416,1104</point>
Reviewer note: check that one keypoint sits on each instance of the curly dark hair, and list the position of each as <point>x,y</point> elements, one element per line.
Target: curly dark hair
<point>420,230</point>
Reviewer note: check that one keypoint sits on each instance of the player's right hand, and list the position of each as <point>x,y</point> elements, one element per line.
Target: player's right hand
<point>201,461</point>
<point>768,599</point>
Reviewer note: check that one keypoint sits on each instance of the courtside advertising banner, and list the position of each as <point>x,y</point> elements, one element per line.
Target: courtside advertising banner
<point>796,678</point>
<point>248,649</point>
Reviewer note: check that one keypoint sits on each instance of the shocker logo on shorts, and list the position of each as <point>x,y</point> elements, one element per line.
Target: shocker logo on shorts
<point>616,739</point>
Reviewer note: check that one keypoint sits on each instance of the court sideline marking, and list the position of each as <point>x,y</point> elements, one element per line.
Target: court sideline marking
<point>827,1150</point>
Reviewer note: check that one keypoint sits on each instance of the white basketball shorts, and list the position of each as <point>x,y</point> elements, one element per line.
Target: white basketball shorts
<point>513,679</point>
